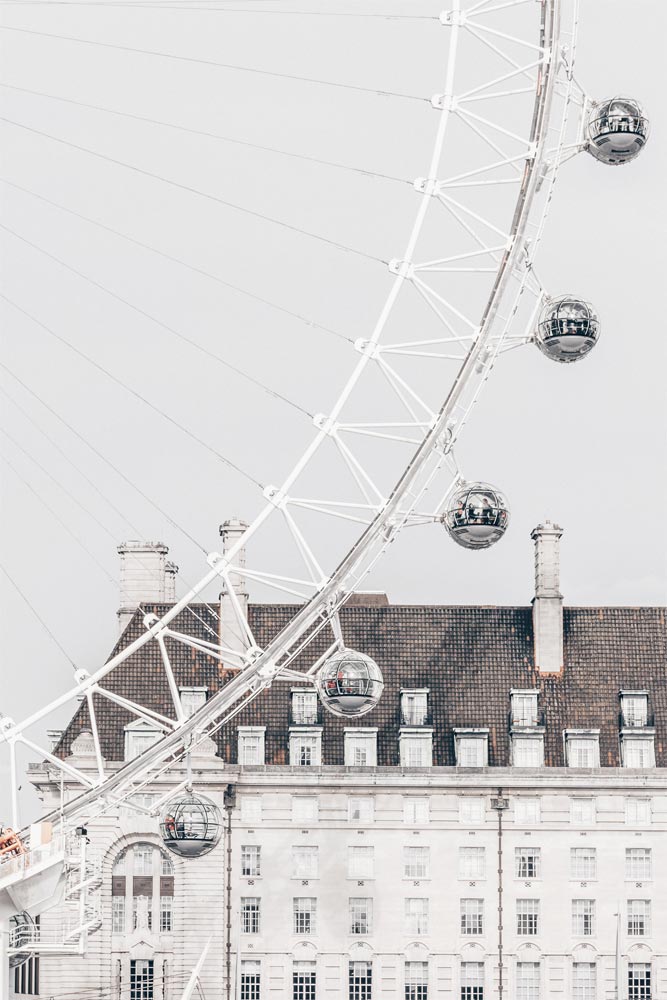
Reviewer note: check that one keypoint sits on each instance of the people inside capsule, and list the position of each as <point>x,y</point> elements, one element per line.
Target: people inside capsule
<point>617,130</point>
<point>191,825</point>
<point>476,516</point>
<point>350,683</point>
<point>568,329</point>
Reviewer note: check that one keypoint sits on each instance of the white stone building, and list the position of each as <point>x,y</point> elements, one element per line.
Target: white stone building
<point>495,828</point>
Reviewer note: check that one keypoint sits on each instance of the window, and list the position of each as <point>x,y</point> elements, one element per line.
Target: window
<point>471,751</point>
<point>524,708</point>
<point>471,810</point>
<point>142,912</point>
<point>141,979</point>
<point>166,914</point>
<point>472,916</point>
<point>304,981</point>
<point>305,809</point>
<point>166,865</point>
<point>360,981</point>
<point>139,736</point>
<point>360,862</point>
<point>526,811</point>
<point>416,862</point>
<point>582,751</point>
<point>251,744</point>
<point>638,812</point>
<point>120,864</point>
<point>360,809</point>
<point>361,915</point>
<point>304,708</point>
<point>305,911</point>
<point>143,859</point>
<point>250,914</point>
<point>639,917</point>
<point>472,862</point>
<point>192,698</point>
<point>414,708</point>
<point>250,980</point>
<point>638,863</point>
<point>583,981</point>
<point>638,751</point>
<point>416,916</point>
<point>416,749</point>
<point>639,981</point>
<point>304,862</point>
<point>472,981</point>
<point>415,810</point>
<point>118,914</point>
<point>582,811</point>
<point>305,749</point>
<point>416,981</point>
<point>360,748</point>
<point>527,862</point>
<point>251,810</point>
<point>251,865</point>
<point>26,976</point>
<point>527,917</point>
<point>583,917</point>
<point>527,751</point>
<point>583,862</point>
<point>141,801</point>
<point>527,981</point>
<point>634,709</point>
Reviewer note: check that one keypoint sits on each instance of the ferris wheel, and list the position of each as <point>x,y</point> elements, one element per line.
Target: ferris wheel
<point>506,112</point>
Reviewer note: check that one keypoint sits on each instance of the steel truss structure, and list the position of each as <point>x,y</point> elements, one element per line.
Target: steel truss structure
<point>495,206</point>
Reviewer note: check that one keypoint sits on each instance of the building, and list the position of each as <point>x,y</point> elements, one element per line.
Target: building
<point>496,827</point>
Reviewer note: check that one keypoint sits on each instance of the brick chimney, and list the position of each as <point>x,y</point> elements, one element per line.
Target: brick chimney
<point>231,634</point>
<point>145,576</point>
<point>548,600</point>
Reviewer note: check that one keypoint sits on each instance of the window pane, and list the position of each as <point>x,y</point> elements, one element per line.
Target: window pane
<point>639,981</point>
<point>638,752</point>
<point>583,917</point>
<point>638,863</point>
<point>166,913</point>
<point>304,861</point>
<point>583,862</point>
<point>250,980</point>
<point>471,809</point>
<point>360,809</point>
<point>471,751</point>
<point>361,915</point>
<point>305,909</point>
<point>360,981</point>
<point>527,981</point>
<point>304,980</point>
<point>527,811</point>
<point>415,810</point>
<point>416,862</point>
<point>472,862</point>
<point>637,812</point>
<point>360,862</point>
<point>639,917</point>
<point>527,862</point>
<point>582,752</point>
<point>142,857</point>
<point>472,916</point>
<point>118,914</point>
<point>582,811</point>
<point>304,708</point>
<point>416,916</point>
<point>250,914</point>
<point>583,981</point>
<point>472,981</point>
<point>251,860</point>
<point>527,751</point>
<point>527,917</point>
<point>141,979</point>
<point>304,809</point>
<point>416,981</point>
<point>414,707</point>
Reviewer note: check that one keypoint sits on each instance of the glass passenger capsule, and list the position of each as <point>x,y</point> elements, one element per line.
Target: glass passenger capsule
<point>190,825</point>
<point>617,130</point>
<point>21,931</point>
<point>350,683</point>
<point>567,329</point>
<point>477,515</point>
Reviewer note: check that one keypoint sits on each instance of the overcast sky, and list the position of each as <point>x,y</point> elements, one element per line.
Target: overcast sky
<point>581,444</point>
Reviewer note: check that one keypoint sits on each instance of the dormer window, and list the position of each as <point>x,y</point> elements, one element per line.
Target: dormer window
<point>361,747</point>
<point>414,707</point>
<point>192,699</point>
<point>524,708</point>
<point>638,751</point>
<point>304,707</point>
<point>472,747</point>
<point>139,736</point>
<point>582,747</point>
<point>251,744</point>
<point>634,709</point>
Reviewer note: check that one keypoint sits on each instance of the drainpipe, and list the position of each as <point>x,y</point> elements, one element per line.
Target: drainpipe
<point>500,804</point>
<point>229,803</point>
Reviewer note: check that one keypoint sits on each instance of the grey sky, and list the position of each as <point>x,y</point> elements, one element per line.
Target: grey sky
<point>581,444</point>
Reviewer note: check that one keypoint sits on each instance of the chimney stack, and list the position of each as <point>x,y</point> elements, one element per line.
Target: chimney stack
<point>231,632</point>
<point>548,600</point>
<point>145,575</point>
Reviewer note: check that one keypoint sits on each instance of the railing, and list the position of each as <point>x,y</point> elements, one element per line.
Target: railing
<point>32,858</point>
<point>628,720</point>
<point>537,720</point>
<point>415,718</point>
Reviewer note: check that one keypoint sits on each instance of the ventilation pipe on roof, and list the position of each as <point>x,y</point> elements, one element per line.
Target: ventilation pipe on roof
<point>231,630</point>
<point>145,576</point>
<point>548,600</point>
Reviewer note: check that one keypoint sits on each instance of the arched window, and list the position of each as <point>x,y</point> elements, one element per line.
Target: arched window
<point>142,891</point>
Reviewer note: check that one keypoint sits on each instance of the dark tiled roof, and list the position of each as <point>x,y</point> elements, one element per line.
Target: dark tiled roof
<point>468,657</point>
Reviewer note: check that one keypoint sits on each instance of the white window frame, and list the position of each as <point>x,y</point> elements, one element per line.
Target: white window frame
<point>416,810</point>
<point>528,976</point>
<point>360,747</point>
<point>634,709</point>
<point>305,861</point>
<point>360,911</point>
<point>416,916</point>
<point>472,810</point>
<point>251,810</point>
<point>640,981</point>
<point>251,861</point>
<point>166,914</point>
<point>639,864</point>
<point>415,747</point>
<point>521,744</point>
<point>527,858</point>
<point>305,809</point>
<point>639,918</point>
<point>416,862</point>
<point>638,811</point>
<point>192,699</point>
<point>251,915</point>
<point>304,916</point>
<point>361,809</point>
<point>304,980</point>
<point>527,810</point>
<point>118,917</point>
<point>302,738</point>
<point>580,741</point>
<point>472,862</point>
<point>630,744</point>
<point>523,706</point>
<point>360,980</point>
<point>583,863</point>
<point>584,981</point>
<point>472,980</point>
<point>414,706</point>
<point>251,736</point>
<point>582,810</point>
<point>139,736</point>
<point>471,917</point>
<point>467,740</point>
<point>360,861</point>
<point>416,980</point>
<point>251,979</point>
<point>527,917</point>
<point>583,918</point>
<point>305,706</point>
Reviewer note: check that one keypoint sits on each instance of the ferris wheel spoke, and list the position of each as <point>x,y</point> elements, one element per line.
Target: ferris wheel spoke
<point>147,714</point>
<point>429,291</point>
<point>366,432</point>
<point>364,481</point>
<point>436,265</point>
<point>477,93</point>
<point>313,567</point>
<point>504,35</point>
<point>398,381</point>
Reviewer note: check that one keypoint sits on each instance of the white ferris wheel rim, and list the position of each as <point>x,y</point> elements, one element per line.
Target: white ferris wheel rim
<point>262,666</point>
